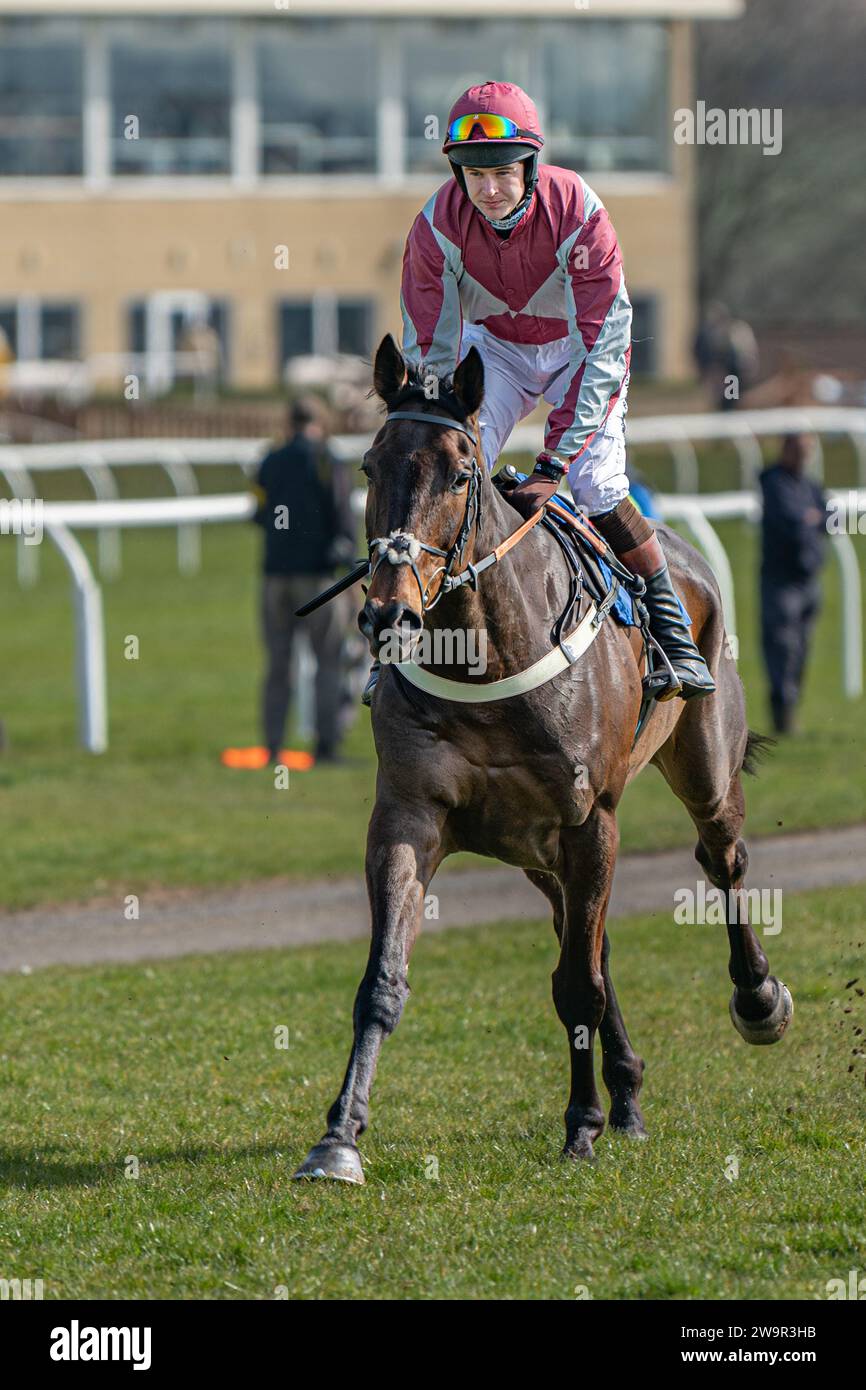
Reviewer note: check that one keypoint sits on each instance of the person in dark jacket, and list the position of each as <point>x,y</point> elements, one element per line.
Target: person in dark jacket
<point>304,508</point>
<point>793,536</point>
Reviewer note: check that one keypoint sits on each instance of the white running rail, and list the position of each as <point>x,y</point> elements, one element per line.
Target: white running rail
<point>696,512</point>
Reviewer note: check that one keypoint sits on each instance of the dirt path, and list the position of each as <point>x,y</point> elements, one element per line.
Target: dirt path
<point>287,913</point>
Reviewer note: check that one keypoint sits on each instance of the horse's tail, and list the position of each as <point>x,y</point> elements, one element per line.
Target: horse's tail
<point>757,748</point>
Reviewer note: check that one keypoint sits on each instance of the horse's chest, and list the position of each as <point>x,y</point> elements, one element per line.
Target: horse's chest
<point>516,812</point>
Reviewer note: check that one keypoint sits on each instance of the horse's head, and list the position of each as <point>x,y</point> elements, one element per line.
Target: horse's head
<point>425,483</point>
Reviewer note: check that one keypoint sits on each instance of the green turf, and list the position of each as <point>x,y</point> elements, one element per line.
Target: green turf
<point>159,809</point>
<point>174,1065</point>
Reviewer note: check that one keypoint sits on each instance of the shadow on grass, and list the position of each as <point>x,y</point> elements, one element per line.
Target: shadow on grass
<point>31,1169</point>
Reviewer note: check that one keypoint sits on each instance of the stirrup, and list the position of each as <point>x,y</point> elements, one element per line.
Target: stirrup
<point>662,683</point>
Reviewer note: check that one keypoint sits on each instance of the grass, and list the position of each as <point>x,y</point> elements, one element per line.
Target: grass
<point>159,809</point>
<point>174,1065</point>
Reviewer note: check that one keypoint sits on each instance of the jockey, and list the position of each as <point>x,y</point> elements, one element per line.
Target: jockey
<point>519,259</point>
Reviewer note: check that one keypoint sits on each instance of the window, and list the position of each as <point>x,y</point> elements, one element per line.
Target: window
<point>320,96</point>
<point>178,334</point>
<point>606,86</point>
<point>354,326</point>
<point>60,332</point>
<point>318,90</point>
<point>644,335</point>
<point>40,98</point>
<point>440,60</point>
<point>8,331</point>
<point>296,331</point>
<point>170,97</point>
<point>39,331</point>
<point>324,325</point>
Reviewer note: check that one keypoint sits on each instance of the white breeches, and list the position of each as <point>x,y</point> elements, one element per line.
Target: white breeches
<point>516,377</point>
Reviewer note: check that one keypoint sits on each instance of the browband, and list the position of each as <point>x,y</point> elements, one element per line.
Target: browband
<point>431,420</point>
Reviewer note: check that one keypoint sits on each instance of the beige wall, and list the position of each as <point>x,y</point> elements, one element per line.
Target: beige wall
<point>103,250</point>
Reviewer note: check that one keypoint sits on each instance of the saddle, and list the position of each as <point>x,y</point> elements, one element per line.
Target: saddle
<point>594,566</point>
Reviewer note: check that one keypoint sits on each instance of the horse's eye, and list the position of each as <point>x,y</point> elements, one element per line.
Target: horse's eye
<point>460,482</point>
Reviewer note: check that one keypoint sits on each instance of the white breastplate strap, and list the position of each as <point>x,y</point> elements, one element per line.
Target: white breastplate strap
<point>474,693</point>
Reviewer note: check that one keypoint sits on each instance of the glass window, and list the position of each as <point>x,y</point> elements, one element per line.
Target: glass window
<point>170,97</point>
<point>8,331</point>
<point>354,326</point>
<point>52,331</point>
<point>171,323</point>
<point>606,86</point>
<point>440,60</point>
<point>40,98</point>
<point>644,335</point>
<point>296,330</point>
<point>318,89</point>
<point>60,331</point>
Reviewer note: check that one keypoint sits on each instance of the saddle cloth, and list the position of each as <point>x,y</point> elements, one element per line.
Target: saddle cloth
<point>623,610</point>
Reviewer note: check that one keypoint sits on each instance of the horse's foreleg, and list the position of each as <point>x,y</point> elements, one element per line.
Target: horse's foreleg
<point>578,981</point>
<point>621,1068</point>
<point>403,852</point>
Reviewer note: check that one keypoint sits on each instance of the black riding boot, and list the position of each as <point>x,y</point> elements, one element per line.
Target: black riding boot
<point>670,630</point>
<point>367,696</point>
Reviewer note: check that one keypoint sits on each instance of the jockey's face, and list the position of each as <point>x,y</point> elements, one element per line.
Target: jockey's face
<point>495,192</point>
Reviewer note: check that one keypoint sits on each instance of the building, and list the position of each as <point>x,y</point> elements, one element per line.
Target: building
<point>254,165</point>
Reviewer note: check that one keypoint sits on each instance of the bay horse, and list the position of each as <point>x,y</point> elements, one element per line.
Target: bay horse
<point>497,776</point>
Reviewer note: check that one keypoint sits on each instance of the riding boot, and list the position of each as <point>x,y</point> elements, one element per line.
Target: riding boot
<point>669,628</point>
<point>367,696</point>
<point>679,668</point>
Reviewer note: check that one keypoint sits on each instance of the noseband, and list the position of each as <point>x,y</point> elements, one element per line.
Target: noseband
<point>402,548</point>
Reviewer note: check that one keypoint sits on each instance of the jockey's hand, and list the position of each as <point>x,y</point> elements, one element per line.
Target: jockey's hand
<point>537,489</point>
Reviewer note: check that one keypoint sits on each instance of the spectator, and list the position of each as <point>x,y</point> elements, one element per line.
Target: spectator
<point>200,341</point>
<point>739,364</point>
<point>304,508</point>
<point>726,354</point>
<point>709,347</point>
<point>793,531</point>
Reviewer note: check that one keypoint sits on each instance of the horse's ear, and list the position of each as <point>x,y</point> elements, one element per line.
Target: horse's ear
<point>389,369</point>
<point>469,382</point>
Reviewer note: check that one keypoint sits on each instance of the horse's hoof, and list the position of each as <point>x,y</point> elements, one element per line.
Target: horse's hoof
<point>632,1130</point>
<point>625,1118</point>
<point>762,1031</point>
<point>580,1147</point>
<point>339,1162</point>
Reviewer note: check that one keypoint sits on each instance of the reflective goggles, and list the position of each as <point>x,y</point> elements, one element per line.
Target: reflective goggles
<point>493,127</point>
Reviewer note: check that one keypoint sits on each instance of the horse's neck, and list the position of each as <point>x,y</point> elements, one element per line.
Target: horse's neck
<point>502,606</point>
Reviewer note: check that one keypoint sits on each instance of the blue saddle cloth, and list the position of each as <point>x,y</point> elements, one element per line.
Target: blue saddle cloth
<point>623,608</point>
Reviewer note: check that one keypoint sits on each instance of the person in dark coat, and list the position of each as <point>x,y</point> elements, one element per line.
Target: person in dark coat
<point>793,540</point>
<point>304,509</point>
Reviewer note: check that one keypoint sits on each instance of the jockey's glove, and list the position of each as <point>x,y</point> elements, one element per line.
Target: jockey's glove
<point>539,487</point>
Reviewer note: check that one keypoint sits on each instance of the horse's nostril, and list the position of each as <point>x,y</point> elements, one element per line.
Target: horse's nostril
<point>398,615</point>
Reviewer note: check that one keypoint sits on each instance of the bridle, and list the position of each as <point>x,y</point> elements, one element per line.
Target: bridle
<point>403,548</point>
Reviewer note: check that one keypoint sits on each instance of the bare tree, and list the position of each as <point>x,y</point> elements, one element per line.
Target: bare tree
<point>782,236</point>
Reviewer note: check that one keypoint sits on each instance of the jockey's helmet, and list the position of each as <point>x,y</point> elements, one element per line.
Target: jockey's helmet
<point>491,124</point>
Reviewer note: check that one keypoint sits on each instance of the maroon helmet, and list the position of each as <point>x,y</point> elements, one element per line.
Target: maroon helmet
<point>492,124</point>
